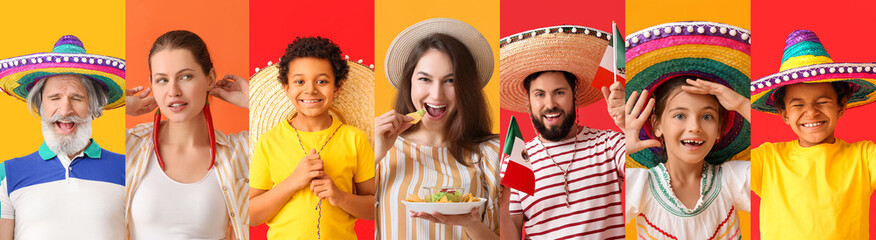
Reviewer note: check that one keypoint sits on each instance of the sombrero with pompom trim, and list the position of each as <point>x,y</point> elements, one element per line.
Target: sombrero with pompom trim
<point>806,61</point>
<point>19,74</point>
<point>707,50</point>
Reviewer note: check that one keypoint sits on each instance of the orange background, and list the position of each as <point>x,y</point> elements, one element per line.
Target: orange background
<point>28,29</point>
<point>224,26</point>
<point>641,14</point>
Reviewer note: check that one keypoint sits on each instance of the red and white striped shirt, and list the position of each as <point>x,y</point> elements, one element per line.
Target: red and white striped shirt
<point>595,182</point>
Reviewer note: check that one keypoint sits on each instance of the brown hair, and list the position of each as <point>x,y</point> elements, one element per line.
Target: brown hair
<point>470,125</point>
<point>185,40</point>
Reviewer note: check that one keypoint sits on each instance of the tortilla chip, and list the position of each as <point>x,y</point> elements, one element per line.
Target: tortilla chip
<point>414,198</point>
<point>444,200</point>
<point>416,116</point>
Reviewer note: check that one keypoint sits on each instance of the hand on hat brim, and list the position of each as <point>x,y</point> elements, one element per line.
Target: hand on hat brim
<point>729,99</point>
<point>139,104</point>
<point>635,118</point>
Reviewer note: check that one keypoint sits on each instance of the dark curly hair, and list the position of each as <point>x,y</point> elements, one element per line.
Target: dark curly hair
<point>316,47</point>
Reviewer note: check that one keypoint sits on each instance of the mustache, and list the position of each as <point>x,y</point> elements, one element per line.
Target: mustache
<point>59,117</point>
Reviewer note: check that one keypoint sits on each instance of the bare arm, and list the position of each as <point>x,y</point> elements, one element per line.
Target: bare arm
<point>360,204</point>
<point>264,204</point>
<point>507,227</point>
<point>6,228</point>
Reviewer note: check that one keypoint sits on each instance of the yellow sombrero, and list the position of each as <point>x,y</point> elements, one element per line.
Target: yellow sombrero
<point>19,74</point>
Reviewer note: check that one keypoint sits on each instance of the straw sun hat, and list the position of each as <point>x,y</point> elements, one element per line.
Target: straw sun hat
<point>715,51</point>
<point>19,74</point>
<point>408,39</point>
<point>269,105</point>
<point>574,49</point>
<point>806,61</point>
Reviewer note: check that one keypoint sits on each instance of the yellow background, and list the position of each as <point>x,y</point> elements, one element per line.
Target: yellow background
<point>393,16</point>
<point>28,28</point>
<point>641,14</point>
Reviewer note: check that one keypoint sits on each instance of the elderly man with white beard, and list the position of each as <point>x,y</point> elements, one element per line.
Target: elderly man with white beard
<point>70,188</point>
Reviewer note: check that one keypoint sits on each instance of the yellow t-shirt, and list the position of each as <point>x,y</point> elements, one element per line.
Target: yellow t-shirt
<point>347,159</point>
<point>820,192</point>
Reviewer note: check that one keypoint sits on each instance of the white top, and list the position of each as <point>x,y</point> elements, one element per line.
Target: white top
<point>595,180</point>
<point>660,215</point>
<point>167,209</point>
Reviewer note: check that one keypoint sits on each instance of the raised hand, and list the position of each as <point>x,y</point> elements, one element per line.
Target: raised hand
<point>139,104</point>
<point>387,127</point>
<point>614,98</point>
<point>729,99</point>
<point>635,118</point>
<point>232,89</point>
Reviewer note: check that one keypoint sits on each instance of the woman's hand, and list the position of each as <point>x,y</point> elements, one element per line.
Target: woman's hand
<point>232,89</point>
<point>139,104</point>
<point>635,118</point>
<point>461,219</point>
<point>387,127</point>
<point>614,99</point>
<point>729,99</point>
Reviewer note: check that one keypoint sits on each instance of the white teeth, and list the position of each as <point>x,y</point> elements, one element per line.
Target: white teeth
<point>177,104</point>
<point>815,124</point>
<point>310,101</point>
<point>552,115</point>
<point>692,142</point>
<point>435,106</point>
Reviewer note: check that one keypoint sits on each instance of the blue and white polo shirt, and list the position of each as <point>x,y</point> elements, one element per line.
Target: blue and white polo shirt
<point>52,197</point>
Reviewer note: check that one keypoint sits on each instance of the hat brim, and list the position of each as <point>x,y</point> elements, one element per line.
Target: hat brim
<point>861,76</point>
<point>270,106</point>
<point>669,50</point>
<point>408,39</point>
<point>574,49</point>
<point>18,75</point>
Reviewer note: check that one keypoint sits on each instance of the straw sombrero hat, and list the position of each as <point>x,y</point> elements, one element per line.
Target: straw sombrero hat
<point>404,43</point>
<point>68,56</point>
<point>806,61</point>
<point>574,49</point>
<point>269,105</point>
<point>715,51</point>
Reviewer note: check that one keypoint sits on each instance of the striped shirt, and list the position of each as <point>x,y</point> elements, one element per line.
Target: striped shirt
<point>409,167</point>
<point>595,182</point>
<point>232,165</point>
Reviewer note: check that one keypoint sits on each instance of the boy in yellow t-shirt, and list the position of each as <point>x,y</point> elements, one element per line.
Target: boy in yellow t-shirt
<point>312,176</point>
<point>818,186</point>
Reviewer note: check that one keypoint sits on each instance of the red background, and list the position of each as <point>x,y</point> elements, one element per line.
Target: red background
<point>275,24</point>
<point>843,27</point>
<point>519,16</point>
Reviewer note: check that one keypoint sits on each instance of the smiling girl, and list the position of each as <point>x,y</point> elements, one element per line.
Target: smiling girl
<point>438,66</point>
<point>689,178</point>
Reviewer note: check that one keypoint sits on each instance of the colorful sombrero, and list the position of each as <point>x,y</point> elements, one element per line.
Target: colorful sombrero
<point>19,74</point>
<point>408,39</point>
<point>715,51</point>
<point>806,61</point>
<point>574,49</point>
<point>270,106</point>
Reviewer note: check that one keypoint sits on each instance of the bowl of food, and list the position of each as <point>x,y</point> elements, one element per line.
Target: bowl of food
<point>444,200</point>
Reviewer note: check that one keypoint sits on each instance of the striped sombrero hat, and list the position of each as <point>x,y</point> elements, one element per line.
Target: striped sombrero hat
<point>19,74</point>
<point>269,105</point>
<point>574,49</point>
<point>806,61</point>
<point>714,51</point>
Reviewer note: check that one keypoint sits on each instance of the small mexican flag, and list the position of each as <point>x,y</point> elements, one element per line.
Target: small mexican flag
<point>517,172</point>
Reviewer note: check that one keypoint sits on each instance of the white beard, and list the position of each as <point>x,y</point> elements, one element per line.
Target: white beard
<point>67,145</point>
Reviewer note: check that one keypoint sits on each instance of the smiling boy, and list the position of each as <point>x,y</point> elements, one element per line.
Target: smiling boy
<point>817,186</point>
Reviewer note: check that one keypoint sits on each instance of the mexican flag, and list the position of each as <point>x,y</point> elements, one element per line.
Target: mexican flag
<point>611,67</point>
<point>517,172</point>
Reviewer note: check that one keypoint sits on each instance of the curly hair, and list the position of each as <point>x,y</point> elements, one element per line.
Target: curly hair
<point>316,47</point>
